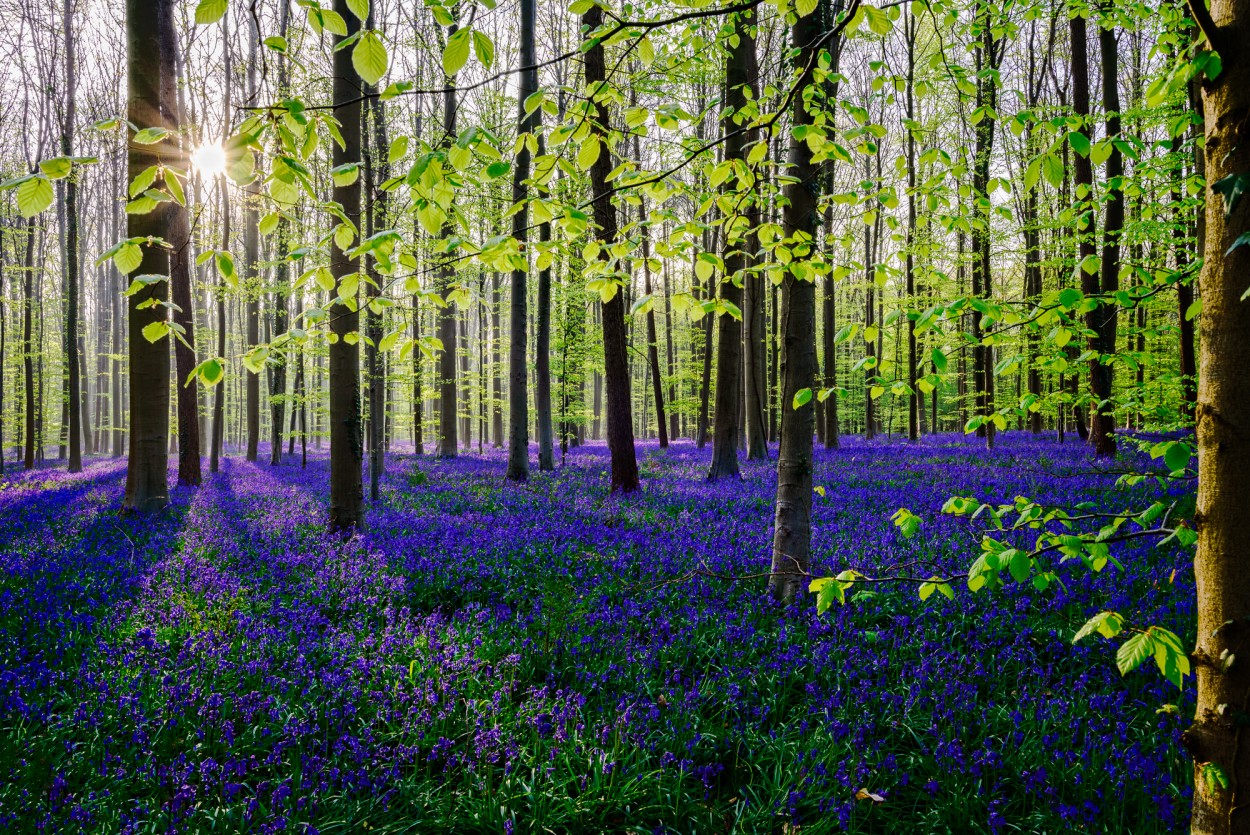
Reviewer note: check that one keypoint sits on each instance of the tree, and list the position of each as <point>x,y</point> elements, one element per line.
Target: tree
<point>346,492</point>
<point>1105,317</point>
<point>615,343</point>
<point>1223,433</point>
<point>741,89</point>
<point>152,47</point>
<point>792,536</point>
<point>74,400</point>
<point>518,390</point>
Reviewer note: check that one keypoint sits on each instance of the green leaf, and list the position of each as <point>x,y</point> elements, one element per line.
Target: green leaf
<point>210,11</point>
<point>34,195</point>
<point>801,398</point>
<point>1215,778</point>
<point>344,175</point>
<point>456,53</point>
<point>939,360</point>
<point>398,149</point>
<point>360,8</point>
<point>483,48</point>
<point>128,257</point>
<point>827,591</point>
<point>56,168</point>
<point>1020,566</point>
<point>254,360</point>
<point>210,372</point>
<point>149,136</point>
<point>369,57</point>
<point>155,331</point>
<point>1133,652</point>
<point>588,154</point>
<point>1107,624</point>
<point>1177,456</point>
<point>1079,142</point>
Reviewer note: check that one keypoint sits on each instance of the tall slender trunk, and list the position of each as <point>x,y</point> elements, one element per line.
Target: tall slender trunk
<point>251,277</point>
<point>987,57</point>
<point>741,87</point>
<point>72,277</point>
<point>219,391</point>
<point>152,44</point>
<point>1083,180</point>
<point>28,346</point>
<point>188,399</point>
<point>1185,289</point>
<point>705,380</point>
<point>1105,317</point>
<point>828,305</point>
<point>914,403</point>
<point>1217,737</point>
<point>653,345</point>
<point>615,342</point>
<point>542,361</point>
<point>792,537</point>
<point>375,220</point>
<point>518,391</point>
<point>447,434</point>
<point>346,492</point>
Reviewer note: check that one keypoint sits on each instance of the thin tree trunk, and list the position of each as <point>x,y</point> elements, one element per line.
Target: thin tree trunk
<point>741,72</point>
<point>615,360</point>
<point>518,378</point>
<point>447,429</point>
<point>914,401</point>
<point>72,277</point>
<point>28,346</point>
<point>1107,314</point>
<point>346,492</point>
<point>792,537</point>
<point>542,361</point>
<point>653,345</point>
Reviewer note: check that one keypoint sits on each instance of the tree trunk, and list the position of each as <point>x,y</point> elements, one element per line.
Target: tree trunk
<point>375,220</point>
<point>188,400</point>
<point>1106,315</point>
<point>914,402</point>
<point>346,493</point>
<point>72,277</point>
<point>741,72</point>
<point>1223,434</point>
<point>542,362</point>
<point>792,537</point>
<point>152,44</point>
<point>219,391</point>
<point>615,338</point>
<point>518,378</point>
<point>987,55</point>
<point>447,429</point>
<point>251,278</point>
<point>28,346</point>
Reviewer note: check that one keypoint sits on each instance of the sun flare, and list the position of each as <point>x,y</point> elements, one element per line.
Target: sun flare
<point>209,159</point>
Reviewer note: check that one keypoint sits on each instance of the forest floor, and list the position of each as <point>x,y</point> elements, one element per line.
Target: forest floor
<point>548,658</point>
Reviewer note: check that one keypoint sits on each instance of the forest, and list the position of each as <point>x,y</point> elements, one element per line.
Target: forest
<point>624,416</point>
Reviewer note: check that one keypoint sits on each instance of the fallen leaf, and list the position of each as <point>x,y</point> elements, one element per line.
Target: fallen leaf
<point>864,794</point>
